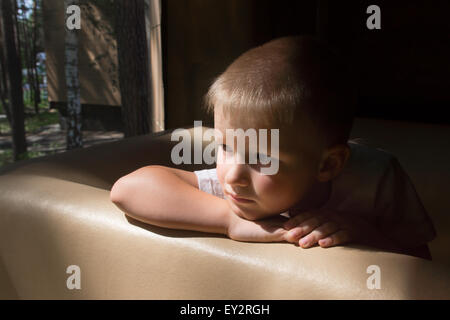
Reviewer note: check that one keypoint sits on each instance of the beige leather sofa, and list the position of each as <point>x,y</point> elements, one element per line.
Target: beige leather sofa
<point>56,212</point>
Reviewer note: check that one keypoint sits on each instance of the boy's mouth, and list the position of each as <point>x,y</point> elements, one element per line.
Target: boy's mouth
<point>238,199</point>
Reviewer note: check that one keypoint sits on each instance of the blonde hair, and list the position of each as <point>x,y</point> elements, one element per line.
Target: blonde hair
<point>287,79</point>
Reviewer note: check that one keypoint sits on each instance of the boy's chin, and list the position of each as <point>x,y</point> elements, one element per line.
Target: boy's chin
<point>251,213</point>
<point>244,213</point>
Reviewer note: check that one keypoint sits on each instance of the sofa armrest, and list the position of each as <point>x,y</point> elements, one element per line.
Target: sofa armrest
<point>56,212</point>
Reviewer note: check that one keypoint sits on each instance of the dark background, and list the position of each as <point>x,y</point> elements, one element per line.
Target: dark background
<point>402,69</point>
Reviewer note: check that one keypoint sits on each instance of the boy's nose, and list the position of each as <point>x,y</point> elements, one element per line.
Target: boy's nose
<point>237,175</point>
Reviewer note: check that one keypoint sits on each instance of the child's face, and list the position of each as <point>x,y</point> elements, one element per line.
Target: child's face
<point>267,195</point>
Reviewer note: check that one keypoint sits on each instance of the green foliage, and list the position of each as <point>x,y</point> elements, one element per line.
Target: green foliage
<point>26,20</point>
<point>7,156</point>
<point>32,123</point>
<point>4,127</point>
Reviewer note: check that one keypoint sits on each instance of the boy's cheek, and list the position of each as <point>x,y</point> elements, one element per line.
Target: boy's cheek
<point>220,173</point>
<point>273,185</point>
<point>264,185</point>
<point>273,194</point>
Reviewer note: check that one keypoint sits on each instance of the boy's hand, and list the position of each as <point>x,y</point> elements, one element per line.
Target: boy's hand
<point>265,230</point>
<point>330,228</point>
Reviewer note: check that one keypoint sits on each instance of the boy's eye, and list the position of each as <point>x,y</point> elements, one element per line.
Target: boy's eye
<point>259,157</point>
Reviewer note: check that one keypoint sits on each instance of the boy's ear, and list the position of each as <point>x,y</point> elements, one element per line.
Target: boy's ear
<point>333,162</point>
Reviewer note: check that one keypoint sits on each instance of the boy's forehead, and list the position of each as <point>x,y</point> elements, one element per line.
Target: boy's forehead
<point>240,120</point>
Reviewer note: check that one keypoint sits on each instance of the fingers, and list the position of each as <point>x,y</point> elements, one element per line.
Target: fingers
<point>310,228</point>
<point>318,233</point>
<point>337,238</point>
<point>305,227</point>
<point>296,220</point>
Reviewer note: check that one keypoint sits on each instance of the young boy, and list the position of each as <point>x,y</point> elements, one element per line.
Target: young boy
<point>327,190</point>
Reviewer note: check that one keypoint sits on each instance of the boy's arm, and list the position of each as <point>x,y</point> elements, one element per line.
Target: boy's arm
<point>186,176</point>
<point>170,198</point>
